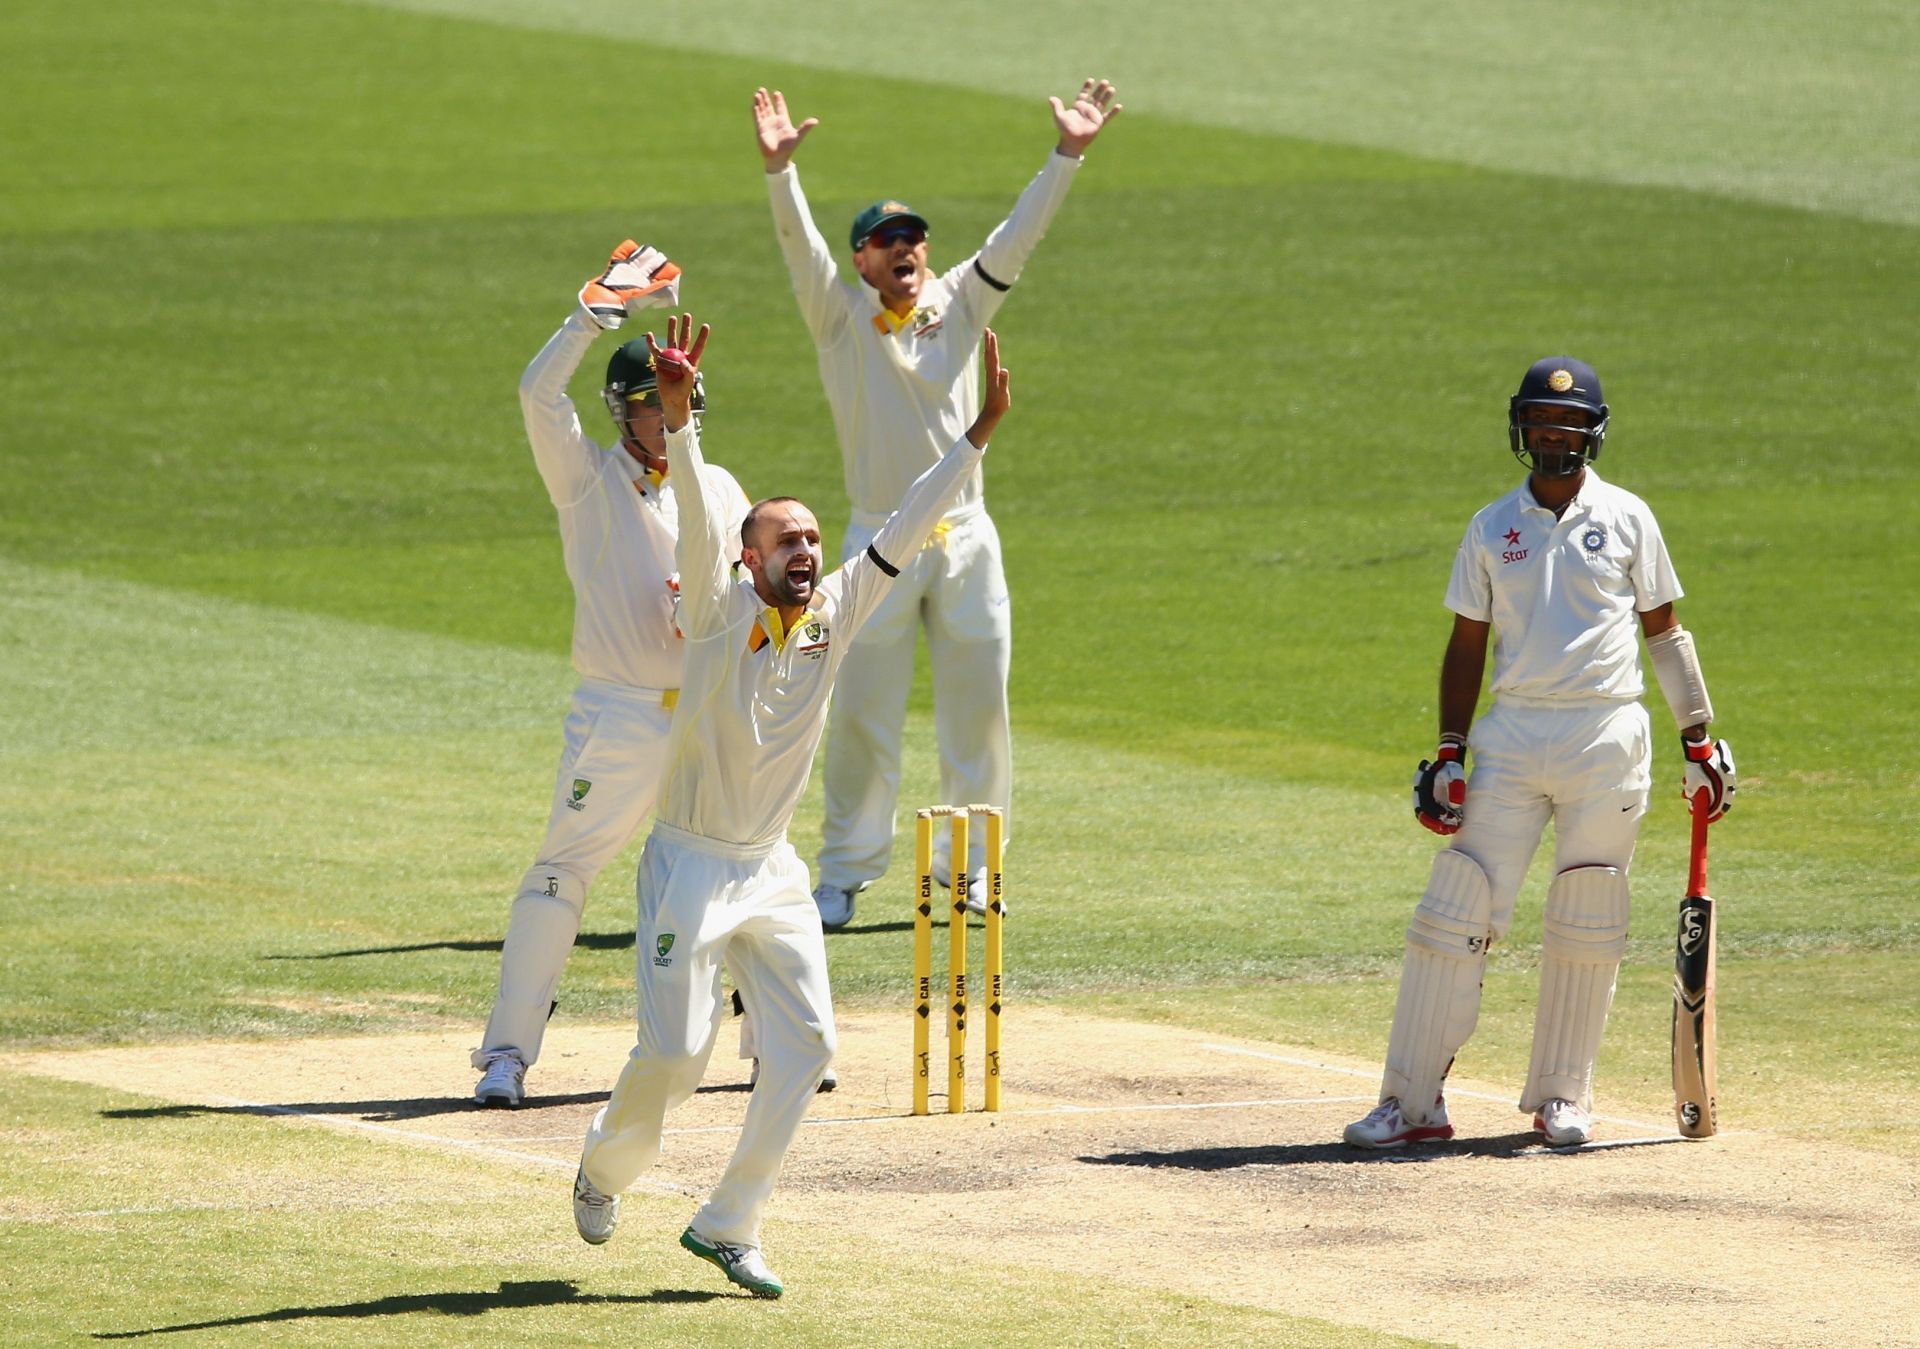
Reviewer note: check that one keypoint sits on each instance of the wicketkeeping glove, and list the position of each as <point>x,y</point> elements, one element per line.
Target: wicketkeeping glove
<point>1710,769</point>
<point>1440,788</point>
<point>637,277</point>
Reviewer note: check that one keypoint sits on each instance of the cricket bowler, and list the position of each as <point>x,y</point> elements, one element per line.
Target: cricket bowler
<point>719,882</point>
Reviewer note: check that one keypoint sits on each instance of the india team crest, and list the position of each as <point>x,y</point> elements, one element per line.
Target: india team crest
<point>1560,381</point>
<point>1594,538</point>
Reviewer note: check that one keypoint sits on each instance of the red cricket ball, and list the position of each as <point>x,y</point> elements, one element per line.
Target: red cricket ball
<point>672,366</point>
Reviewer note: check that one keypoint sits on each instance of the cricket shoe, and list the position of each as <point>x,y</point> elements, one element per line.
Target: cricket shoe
<point>828,1080</point>
<point>835,904</point>
<point>743,1265</point>
<point>595,1215</point>
<point>1386,1127</point>
<point>505,1080</point>
<point>976,891</point>
<point>1564,1124</point>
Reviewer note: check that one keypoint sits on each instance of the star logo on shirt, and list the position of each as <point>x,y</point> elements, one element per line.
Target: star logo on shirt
<point>1513,536</point>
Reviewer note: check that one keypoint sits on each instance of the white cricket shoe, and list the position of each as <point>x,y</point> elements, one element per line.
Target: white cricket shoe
<point>743,1265</point>
<point>1565,1124</point>
<point>504,1081</point>
<point>1386,1127</point>
<point>595,1215</point>
<point>976,890</point>
<point>835,905</point>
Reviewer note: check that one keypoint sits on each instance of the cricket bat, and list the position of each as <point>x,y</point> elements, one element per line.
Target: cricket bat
<point>1694,1066</point>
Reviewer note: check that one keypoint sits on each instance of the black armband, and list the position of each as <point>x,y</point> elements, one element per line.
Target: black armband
<point>982,271</point>
<point>881,562</point>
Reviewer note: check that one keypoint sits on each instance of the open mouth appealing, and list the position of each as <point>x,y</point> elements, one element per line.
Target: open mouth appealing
<point>800,575</point>
<point>903,271</point>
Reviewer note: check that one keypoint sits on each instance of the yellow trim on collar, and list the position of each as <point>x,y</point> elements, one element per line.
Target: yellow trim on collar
<point>886,321</point>
<point>770,629</point>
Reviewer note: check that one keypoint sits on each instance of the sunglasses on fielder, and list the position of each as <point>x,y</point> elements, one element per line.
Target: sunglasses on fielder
<point>899,234</point>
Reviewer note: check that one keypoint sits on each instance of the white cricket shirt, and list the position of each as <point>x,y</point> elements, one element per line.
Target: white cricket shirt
<point>1563,595</point>
<point>617,527</point>
<point>900,398</point>
<point>748,721</point>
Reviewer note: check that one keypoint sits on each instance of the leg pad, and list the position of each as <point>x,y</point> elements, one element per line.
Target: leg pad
<point>1440,978</point>
<point>1584,937</point>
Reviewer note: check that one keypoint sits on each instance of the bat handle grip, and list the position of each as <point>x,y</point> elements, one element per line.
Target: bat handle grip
<point>1697,860</point>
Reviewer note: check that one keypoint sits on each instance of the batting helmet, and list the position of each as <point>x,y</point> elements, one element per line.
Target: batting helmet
<point>1560,382</point>
<point>630,376</point>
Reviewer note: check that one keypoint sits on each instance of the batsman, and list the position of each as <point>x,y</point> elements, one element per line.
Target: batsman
<point>1567,572</point>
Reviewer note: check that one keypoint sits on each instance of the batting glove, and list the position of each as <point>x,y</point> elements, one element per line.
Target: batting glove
<point>1440,788</point>
<point>1710,769</point>
<point>637,277</point>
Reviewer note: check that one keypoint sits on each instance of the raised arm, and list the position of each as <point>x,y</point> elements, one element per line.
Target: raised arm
<point>778,136</point>
<point>636,277</point>
<point>809,260</point>
<point>700,553</point>
<point>1082,120</point>
<point>561,451</point>
<point>1007,249</point>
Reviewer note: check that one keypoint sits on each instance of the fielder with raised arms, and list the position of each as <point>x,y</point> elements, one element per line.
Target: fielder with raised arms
<point>1568,571</point>
<point>718,879</point>
<point>619,516</point>
<point>899,356</point>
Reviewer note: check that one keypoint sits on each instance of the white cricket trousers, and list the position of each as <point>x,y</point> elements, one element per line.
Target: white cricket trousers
<point>701,902</point>
<point>1588,768</point>
<point>957,588</point>
<point>609,778</point>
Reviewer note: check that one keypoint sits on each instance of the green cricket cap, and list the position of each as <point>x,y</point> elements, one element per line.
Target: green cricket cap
<point>883,213</point>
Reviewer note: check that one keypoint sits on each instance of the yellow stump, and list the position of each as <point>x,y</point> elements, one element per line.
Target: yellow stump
<point>996,915</point>
<point>957,969</point>
<point>922,955</point>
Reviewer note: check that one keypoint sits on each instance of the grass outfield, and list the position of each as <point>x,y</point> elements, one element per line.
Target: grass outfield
<point>282,648</point>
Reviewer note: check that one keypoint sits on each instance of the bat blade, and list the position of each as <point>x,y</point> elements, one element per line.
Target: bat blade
<point>1695,1070</point>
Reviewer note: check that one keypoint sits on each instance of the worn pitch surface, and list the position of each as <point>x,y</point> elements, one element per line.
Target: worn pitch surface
<point>1184,1161</point>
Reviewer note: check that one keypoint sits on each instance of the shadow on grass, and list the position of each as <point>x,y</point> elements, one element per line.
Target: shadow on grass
<point>1526,1144</point>
<point>372,1111</point>
<point>512,1296</point>
<point>592,941</point>
<point>387,1111</point>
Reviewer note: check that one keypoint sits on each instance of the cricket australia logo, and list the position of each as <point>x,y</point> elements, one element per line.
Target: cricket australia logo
<point>813,640</point>
<point>1594,539</point>
<point>580,789</point>
<point>662,945</point>
<point>926,322</point>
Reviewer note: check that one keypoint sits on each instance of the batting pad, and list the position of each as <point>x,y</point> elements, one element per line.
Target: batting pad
<point>1439,1001</point>
<point>1584,938</point>
<point>540,934</point>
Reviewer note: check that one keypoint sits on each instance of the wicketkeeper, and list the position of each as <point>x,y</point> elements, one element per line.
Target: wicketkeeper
<point>1568,571</point>
<point>619,517</point>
